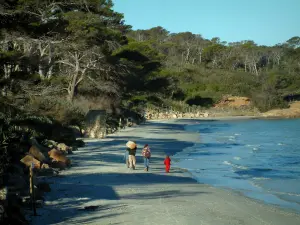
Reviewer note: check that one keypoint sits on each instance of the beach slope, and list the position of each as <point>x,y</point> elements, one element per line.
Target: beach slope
<point>99,189</point>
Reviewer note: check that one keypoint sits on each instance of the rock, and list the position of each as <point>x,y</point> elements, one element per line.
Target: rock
<point>206,114</point>
<point>63,147</point>
<point>42,148</point>
<point>46,172</point>
<point>49,143</point>
<point>59,157</point>
<point>59,165</point>
<point>79,143</point>
<point>74,148</point>
<point>35,151</point>
<point>174,116</point>
<point>45,166</point>
<point>29,159</point>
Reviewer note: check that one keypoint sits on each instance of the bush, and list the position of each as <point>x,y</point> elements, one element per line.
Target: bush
<point>267,100</point>
<point>199,101</point>
<point>79,143</point>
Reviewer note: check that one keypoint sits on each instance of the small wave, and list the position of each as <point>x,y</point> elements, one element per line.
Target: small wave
<point>252,145</point>
<point>261,178</point>
<point>237,158</point>
<point>227,163</point>
<point>235,166</point>
<point>280,144</point>
<point>284,193</point>
<point>237,134</point>
<point>254,149</point>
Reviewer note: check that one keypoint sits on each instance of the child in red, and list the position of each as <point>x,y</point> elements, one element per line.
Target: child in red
<point>167,162</point>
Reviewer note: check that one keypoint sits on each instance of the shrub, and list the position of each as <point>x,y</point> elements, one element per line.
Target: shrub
<point>267,100</point>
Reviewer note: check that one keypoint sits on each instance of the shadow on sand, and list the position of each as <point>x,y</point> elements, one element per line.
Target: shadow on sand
<point>78,190</point>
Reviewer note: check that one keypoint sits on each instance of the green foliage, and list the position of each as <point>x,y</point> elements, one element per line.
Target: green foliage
<point>138,51</point>
<point>267,99</point>
<point>199,101</point>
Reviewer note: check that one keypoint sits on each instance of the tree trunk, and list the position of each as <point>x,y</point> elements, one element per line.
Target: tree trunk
<point>50,72</point>
<point>71,88</point>
<point>73,81</point>
<point>7,71</point>
<point>41,71</point>
<point>187,58</point>
<point>200,55</point>
<point>50,63</point>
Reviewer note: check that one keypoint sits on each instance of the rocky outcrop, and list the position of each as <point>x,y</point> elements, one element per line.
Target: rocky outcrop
<point>233,102</point>
<point>153,115</point>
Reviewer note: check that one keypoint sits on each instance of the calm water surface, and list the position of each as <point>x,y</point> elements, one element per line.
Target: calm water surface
<point>260,158</point>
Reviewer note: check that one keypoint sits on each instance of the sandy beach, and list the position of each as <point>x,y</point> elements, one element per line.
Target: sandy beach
<point>100,189</point>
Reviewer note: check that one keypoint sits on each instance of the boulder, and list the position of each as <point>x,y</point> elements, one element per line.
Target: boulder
<point>36,153</point>
<point>63,147</point>
<point>46,172</point>
<point>58,156</point>
<point>45,166</point>
<point>74,148</point>
<point>29,159</point>
<point>49,143</point>
<point>42,148</point>
<point>59,165</point>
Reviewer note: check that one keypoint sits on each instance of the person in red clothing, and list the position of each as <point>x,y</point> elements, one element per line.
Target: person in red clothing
<point>167,162</point>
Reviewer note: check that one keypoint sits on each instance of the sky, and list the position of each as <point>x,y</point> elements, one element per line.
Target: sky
<point>267,22</point>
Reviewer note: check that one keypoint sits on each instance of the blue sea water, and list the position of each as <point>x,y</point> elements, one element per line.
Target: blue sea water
<point>260,158</point>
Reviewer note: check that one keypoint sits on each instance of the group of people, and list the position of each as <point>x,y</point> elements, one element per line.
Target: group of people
<point>130,158</point>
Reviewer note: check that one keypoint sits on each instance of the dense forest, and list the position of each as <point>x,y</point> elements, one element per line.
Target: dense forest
<point>58,59</point>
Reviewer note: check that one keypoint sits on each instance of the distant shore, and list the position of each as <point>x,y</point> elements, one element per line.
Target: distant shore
<point>99,189</point>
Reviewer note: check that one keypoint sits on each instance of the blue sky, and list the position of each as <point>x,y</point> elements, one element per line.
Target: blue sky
<point>267,22</point>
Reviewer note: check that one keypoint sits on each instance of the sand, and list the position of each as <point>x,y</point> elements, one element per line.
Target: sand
<point>100,189</point>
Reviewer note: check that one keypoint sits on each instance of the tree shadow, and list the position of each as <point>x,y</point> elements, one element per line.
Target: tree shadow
<point>164,194</point>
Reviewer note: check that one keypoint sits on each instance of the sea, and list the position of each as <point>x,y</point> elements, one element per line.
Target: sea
<point>258,158</point>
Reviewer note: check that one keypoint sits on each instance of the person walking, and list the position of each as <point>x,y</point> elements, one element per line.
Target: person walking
<point>167,163</point>
<point>131,148</point>
<point>146,153</point>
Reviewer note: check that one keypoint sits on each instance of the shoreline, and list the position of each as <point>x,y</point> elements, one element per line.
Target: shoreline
<point>237,191</point>
<point>121,196</point>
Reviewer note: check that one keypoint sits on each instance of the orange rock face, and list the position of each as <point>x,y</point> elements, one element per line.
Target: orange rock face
<point>233,101</point>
